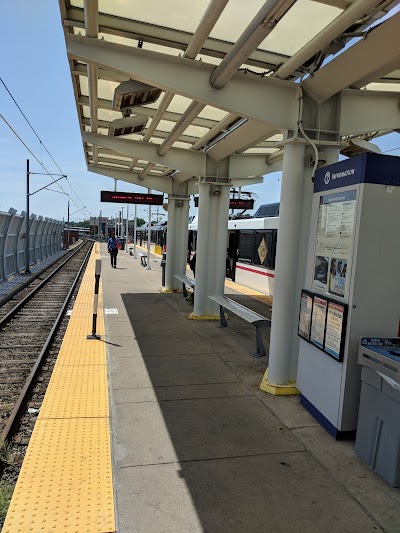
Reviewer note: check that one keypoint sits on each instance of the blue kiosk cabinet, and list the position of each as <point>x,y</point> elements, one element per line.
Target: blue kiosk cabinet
<point>352,285</point>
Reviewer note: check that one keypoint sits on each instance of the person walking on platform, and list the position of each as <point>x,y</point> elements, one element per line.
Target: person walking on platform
<point>113,246</point>
<point>192,265</point>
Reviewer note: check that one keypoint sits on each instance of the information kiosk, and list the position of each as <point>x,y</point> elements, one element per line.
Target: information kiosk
<point>352,285</point>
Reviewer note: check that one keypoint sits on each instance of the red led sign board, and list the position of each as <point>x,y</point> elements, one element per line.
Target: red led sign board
<point>234,203</point>
<point>131,198</point>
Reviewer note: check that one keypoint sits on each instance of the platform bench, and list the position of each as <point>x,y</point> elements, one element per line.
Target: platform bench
<point>143,258</point>
<point>245,314</point>
<point>185,282</point>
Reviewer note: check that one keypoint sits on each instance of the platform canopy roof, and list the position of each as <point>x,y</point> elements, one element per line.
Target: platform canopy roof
<point>229,71</point>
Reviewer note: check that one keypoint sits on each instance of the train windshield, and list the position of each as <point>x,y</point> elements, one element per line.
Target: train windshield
<point>267,210</point>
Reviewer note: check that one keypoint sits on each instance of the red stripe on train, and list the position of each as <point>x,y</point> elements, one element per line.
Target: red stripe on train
<point>255,271</point>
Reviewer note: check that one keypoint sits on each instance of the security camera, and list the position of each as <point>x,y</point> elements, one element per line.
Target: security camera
<point>321,159</point>
<point>216,192</point>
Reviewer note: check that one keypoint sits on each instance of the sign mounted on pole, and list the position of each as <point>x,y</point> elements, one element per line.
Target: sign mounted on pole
<point>131,198</point>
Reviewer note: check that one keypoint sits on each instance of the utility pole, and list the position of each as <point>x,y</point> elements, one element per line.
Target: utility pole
<point>68,227</point>
<point>27,225</point>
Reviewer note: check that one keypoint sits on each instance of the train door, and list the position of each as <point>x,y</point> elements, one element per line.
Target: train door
<point>233,245</point>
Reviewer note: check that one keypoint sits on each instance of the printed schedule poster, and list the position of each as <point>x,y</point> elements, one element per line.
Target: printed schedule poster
<point>318,322</point>
<point>305,315</point>
<point>334,328</point>
<point>334,242</point>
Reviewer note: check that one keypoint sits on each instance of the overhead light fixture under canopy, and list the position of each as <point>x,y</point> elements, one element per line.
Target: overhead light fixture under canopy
<point>127,125</point>
<point>134,93</point>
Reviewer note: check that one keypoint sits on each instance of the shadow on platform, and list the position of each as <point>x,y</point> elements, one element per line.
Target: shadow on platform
<point>198,447</point>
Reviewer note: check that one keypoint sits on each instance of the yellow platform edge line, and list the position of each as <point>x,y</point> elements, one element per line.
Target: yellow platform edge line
<point>65,483</point>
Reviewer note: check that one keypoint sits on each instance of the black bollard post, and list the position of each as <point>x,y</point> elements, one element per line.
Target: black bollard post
<point>96,300</point>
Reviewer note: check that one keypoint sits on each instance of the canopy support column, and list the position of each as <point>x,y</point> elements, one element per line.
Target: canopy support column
<point>211,248</point>
<point>177,239</point>
<point>285,301</point>
<point>170,284</point>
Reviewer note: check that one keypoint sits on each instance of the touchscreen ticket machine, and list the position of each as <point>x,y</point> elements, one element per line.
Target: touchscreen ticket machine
<point>352,285</point>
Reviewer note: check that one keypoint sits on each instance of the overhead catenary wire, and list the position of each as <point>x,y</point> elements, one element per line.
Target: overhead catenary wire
<point>40,163</point>
<point>42,145</point>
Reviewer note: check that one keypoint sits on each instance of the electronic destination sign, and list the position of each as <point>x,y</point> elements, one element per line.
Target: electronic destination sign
<point>234,203</point>
<point>131,198</point>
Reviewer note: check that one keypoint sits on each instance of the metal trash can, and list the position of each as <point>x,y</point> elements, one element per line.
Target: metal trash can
<point>378,428</point>
<point>163,264</point>
<point>122,240</point>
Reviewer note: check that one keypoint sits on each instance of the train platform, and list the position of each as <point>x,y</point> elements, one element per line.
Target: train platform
<point>161,427</point>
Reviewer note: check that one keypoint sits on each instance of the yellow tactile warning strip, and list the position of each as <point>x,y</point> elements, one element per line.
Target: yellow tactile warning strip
<point>249,292</point>
<point>65,484</point>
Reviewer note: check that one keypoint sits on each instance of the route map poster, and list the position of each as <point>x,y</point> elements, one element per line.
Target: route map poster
<point>306,304</point>
<point>318,322</point>
<point>334,242</point>
<point>334,329</point>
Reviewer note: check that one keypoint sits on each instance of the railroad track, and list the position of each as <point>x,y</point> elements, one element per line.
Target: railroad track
<point>11,298</point>
<point>27,330</point>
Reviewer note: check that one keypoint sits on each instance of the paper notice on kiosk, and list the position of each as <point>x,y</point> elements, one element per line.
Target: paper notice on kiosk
<point>334,242</point>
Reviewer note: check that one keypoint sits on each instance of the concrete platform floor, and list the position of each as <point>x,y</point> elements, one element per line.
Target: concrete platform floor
<point>197,447</point>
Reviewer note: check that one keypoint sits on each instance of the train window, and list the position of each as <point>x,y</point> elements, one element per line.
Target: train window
<point>246,246</point>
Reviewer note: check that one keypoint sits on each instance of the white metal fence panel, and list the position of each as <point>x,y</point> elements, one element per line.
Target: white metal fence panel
<point>45,240</point>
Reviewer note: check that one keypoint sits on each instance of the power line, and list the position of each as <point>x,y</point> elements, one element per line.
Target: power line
<point>41,164</point>
<point>30,125</point>
<point>41,145</point>
<point>392,150</point>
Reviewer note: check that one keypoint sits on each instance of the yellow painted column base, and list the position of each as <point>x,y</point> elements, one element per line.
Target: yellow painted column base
<point>192,316</point>
<point>278,390</point>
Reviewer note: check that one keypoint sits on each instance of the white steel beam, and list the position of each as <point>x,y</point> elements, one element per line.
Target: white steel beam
<point>191,79</point>
<point>181,177</point>
<point>158,183</point>
<point>320,42</point>
<point>263,23</point>
<point>150,112</point>
<point>247,165</point>
<point>251,132</point>
<point>179,158</point>
<point>91,30</point>
<point>162,184</point>
<point>366,111</point>
<point>368,59</point>
<point>208,21</point>
<point>147,169</point>
<point>80,70</point>
<point>187,118</point>
<point>158,133</point>
<point>141,31</point>
<point>224,123</point>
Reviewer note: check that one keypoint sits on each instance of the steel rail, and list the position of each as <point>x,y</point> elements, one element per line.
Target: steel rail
<point>20,404</point>
<point>6,318</point>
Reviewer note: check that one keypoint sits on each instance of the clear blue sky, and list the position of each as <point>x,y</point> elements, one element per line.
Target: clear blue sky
<point>34,67</point>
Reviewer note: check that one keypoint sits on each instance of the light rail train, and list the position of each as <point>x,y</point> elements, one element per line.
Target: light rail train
<point>251,248</point>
